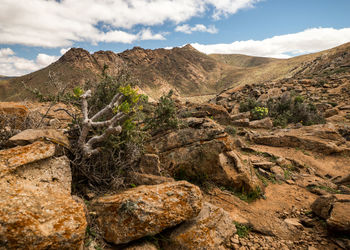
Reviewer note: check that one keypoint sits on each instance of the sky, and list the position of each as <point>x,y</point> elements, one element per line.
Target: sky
<point>35,33</point>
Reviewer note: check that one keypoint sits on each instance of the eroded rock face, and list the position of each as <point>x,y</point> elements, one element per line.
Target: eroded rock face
<point>146,210</point>
<point>335,209</point>
<point>209,230</point>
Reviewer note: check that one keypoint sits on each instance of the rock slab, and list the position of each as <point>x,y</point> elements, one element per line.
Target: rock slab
<point>146,210</point>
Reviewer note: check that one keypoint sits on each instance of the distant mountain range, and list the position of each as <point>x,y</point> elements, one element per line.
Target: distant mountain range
<point>187,71</point>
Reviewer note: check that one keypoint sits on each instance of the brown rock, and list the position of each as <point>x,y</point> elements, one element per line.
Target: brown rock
<point>146,210</point>
<point>145,245</point>
<point>150,164</point>
<point>263,123</point>
<point>241,122</point>
<point>209,230</point>
<point>35,218</point>
<point>335,209</point>
<point>240,116</point>
<point>32,135</point>
<point>36,208</point>
<point>12,158</point>
<point>148,179</point>
<point>15,112</point>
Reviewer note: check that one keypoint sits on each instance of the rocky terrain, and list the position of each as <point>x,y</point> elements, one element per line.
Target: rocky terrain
<point>222,180</point>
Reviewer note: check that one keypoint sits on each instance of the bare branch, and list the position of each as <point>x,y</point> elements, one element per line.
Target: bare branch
<point>115,102</point>
<point>88,124</point>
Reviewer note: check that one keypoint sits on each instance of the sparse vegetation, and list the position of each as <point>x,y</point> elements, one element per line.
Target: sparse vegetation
<point>242,230</point>
<point>289,108</point>
<point>231,130</point>
<point>259,113</point>
<point>165,116</point>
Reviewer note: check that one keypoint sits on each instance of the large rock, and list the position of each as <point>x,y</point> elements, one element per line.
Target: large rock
<point>335,209</point>
<point>318,138</point>
<point>204,152</point>
<point>146,210</point>
<point>35,218</point>
<point>11,159</point>
<point>265,123</point>
<point>31,135</point>
<point>36,208</point>
<point>209,230</point>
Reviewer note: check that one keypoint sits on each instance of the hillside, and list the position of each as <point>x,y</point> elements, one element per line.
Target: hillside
<point>193,75</point>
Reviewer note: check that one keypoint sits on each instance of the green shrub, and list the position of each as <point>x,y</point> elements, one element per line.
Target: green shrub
<point>248,105</point>
<point>259,113</point>
<point>165,114</point>
<point>231,130</point>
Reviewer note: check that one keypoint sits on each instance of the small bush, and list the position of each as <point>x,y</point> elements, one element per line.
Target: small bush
<point>259,113</point>
<point>248,105</point>
<point>242,230</point>
<point>231,130</point>
<point>165,114</point>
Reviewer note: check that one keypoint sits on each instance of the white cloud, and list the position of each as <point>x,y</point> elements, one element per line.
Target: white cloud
<point>146,34</point>
<point>6,52</point>
<point>185,28</point>
<point>61,23</point>
<point>283,46</point>
<point>11,65</point>
<point>64,50</point>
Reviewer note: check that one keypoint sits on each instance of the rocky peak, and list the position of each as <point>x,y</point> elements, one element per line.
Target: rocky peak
<point>74,55</point>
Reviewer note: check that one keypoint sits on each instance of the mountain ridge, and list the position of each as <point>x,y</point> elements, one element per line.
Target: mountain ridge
<point>186,70</point>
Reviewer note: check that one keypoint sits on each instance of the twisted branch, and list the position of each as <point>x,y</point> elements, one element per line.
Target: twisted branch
<point>90,123</point>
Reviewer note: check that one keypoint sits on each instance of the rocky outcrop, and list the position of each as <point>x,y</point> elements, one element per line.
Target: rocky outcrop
<point>146,210</point>
<point>203,152</point>
<point>209,230</point>
<point>335,209</point>
<point>318,138</point>
<point>36,208</point>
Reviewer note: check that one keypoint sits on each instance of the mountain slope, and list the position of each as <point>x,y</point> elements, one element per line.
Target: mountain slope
<point>190,73</point>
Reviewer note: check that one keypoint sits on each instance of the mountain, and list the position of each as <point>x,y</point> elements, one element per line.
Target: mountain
<point>190,73</point>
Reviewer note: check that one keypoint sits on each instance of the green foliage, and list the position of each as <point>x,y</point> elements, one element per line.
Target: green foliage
<point>289,108</point>
<point>231,130</point>
<point>165,114</point>
<point>248,105</point>
<point>120,152</point>
<point>242,230</point>
<point>259,113</point>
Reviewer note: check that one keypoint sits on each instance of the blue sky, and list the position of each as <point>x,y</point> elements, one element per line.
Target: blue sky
<point>34,33</point>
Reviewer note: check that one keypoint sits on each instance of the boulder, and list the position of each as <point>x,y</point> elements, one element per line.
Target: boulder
<point>150,164</point>
<point>204,152</point>
<point>240,116</point>
<point>11,159</point>
<point>31,135</point>
<point>148,179</point>
<point>335,209</point>
<point>36,208</point>
<point>209,230</point>
<point>265,123</point>
<point>146,210</point>
<point>35,218</point>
